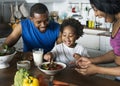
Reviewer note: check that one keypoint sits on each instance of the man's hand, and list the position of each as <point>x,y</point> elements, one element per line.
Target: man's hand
<point>27,56</point>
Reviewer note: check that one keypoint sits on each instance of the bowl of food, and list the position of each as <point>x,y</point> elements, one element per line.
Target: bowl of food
<point>52,70</point>
<point>6,55</point>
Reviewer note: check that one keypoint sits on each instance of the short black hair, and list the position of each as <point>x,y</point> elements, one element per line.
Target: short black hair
<point>78,27</point>
<point>38,8</point>
<point>111,7</point>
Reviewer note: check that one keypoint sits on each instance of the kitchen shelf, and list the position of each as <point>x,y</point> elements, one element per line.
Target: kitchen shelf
<point>43,1</point>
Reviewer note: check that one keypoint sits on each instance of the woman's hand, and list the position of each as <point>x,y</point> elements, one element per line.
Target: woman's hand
<point>90,70</point>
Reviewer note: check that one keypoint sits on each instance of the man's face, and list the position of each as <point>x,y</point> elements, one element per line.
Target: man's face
<point>41,21</point>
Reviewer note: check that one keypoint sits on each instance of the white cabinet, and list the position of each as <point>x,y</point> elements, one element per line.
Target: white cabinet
<point>105,43</point>
<point>96,44</point>
<point>43,1</point>
<point>92,43</point>
<point>89,41</point>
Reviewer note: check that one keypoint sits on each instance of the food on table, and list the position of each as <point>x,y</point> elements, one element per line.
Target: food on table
<point>30,81</point>
<point>19,76</point>
<point>5,50</point>
<point>23,78</point>
<point>54,66</point>
<point>60,83</point>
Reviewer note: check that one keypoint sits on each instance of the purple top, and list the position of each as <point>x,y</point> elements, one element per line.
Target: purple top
<point>115,43</point>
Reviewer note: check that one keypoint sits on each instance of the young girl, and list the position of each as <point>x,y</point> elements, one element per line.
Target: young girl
<point>71,30</point>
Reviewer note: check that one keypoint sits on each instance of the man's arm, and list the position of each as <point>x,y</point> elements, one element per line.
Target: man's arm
<point>14,36</point>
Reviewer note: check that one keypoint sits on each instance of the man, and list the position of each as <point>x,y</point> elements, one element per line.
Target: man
<point>36,31</point>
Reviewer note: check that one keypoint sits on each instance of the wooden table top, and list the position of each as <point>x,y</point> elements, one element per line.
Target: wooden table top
<point>68,75</point>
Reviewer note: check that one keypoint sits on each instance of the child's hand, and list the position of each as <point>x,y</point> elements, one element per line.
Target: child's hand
<point>48,56</point>
<point>83,62</point>
<point>76,56</point>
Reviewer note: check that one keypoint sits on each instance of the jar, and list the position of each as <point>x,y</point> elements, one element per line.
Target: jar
<point>23,64</point>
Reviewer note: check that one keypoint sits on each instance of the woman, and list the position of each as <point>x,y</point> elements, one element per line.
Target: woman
<point>110,10</point>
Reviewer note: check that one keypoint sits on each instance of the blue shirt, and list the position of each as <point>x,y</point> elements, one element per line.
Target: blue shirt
<point>33,38</point>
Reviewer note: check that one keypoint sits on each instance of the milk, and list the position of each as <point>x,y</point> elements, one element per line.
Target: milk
<point>37,57</point>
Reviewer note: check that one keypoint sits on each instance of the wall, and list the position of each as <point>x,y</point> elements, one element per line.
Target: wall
<point>63,9</point>
<point>5,12</point>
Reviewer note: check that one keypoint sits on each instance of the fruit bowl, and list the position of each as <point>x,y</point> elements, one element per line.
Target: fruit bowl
<point>6,58</point>
<point>44,67</point>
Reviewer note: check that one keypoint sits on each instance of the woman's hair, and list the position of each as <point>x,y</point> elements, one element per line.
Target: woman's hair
<point>108,6</point>
<point>78,28</point>
<point>38,8</point>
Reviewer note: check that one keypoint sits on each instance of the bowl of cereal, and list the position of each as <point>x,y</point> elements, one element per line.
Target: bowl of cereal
<point>55,68</point>
<point>6,55</point>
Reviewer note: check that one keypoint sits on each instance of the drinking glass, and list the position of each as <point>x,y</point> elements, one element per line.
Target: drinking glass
<point>38,56</point>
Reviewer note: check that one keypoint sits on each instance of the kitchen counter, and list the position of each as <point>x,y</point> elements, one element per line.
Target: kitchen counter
<point>101,32</point>
<point>93,31</point>
<point>105,34</point>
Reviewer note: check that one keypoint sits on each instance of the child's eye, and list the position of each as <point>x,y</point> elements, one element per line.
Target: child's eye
<point>64,35</point>
<point>70,35</point>
<point>38,22</point>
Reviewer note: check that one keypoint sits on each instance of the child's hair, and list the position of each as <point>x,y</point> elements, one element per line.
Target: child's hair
<point>78,28</point>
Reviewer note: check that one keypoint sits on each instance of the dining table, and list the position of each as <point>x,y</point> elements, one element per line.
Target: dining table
<point>68,75</point>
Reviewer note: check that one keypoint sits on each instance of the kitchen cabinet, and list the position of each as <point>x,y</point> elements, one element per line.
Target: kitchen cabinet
<point>96,44</point>
<point>92,43</point>
<point>105,43</point>
<point>89,41</point>
<point>43,1</point>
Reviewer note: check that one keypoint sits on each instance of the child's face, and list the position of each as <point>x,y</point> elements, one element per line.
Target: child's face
<point>68,36</point>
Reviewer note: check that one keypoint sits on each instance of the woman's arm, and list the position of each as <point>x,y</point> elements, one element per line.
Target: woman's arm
<point>108,57</point>
<point>94,69</point>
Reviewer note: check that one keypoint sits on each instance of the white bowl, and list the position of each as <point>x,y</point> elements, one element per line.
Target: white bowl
<point>23,64</point>
<point>52,72</point>
<point>4,60</point>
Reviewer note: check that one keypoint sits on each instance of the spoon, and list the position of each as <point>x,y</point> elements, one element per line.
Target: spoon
<point>51,63</point>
